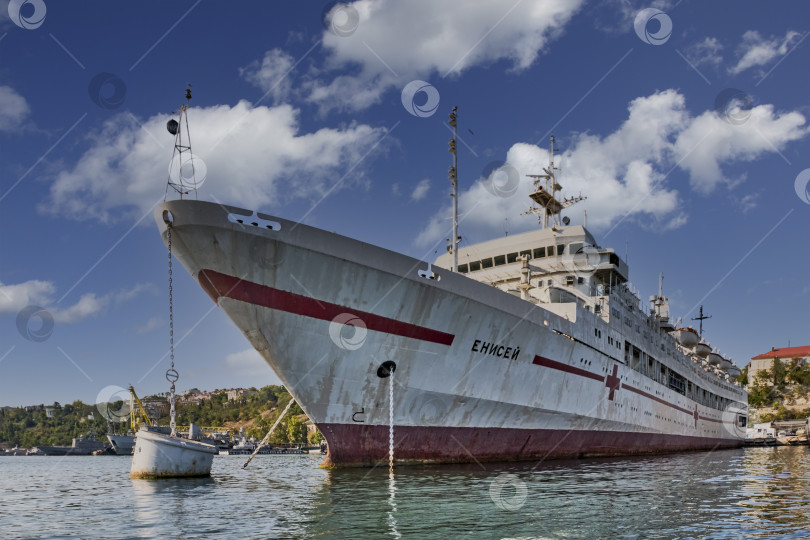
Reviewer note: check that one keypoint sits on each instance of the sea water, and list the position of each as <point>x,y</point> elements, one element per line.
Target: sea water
<point>744,493</point>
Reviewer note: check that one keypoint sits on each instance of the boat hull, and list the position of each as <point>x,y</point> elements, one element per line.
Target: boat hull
<point>162,456</point>
<point>476,367</point>
<point>122,445</point>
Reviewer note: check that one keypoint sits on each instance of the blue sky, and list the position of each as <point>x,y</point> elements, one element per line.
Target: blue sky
<point>685,125</point>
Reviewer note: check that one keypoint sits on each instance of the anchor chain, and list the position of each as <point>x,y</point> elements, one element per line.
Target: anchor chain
<point>391,423</point>
<point>171,374</point>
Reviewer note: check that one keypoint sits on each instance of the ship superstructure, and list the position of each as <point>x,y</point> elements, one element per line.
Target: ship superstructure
<point>536,347</point>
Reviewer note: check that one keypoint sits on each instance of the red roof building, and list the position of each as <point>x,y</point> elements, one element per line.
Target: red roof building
<point>764,362</point>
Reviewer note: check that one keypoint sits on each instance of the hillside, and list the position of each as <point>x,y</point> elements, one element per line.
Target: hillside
<point>31,426</point>
<point>782,393</point>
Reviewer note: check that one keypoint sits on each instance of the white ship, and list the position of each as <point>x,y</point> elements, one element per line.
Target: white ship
<point>534,347</point>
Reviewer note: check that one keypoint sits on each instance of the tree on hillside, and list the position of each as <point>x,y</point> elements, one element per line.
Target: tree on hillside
<point>778,372</point>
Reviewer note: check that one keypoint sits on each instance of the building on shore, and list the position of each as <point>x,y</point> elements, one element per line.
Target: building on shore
<point>764,362</point>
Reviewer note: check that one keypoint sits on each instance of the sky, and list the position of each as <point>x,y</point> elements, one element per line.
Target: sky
<point>685,124</point>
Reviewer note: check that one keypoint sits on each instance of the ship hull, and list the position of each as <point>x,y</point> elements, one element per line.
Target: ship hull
<point>481,375</point>
<point>368,445</point>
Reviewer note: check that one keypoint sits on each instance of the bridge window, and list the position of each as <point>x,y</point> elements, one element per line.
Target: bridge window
<point>539,253</point>
<point>463,268</point>
<point>500,259</point>
<point>512,257</point>
<point>475,265</point>
<point>560,249</point>
<point>486,263</point>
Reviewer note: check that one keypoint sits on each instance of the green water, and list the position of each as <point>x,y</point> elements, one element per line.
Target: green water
<point>756,492</point>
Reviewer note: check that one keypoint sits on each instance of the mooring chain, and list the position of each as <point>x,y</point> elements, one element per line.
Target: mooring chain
<point>391,423</point>
<point>171,373</point>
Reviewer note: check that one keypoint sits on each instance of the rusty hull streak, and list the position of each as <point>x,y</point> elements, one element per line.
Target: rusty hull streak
<point>367,446</point>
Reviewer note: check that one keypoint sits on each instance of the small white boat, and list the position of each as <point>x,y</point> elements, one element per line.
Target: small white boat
<point>702,350</point>
<point>162,456</point>
<point>687,337</point>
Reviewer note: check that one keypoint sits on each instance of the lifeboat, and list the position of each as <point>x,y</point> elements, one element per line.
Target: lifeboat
<point>725,363</point>
<point>733,371</point>
<point>688,337</point>
<point>702,350</point>
<point>714,358</point>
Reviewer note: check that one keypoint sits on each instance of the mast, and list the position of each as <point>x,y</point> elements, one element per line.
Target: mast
<point>545,196</point>
<point>701,318</point>
<point>452,245</point>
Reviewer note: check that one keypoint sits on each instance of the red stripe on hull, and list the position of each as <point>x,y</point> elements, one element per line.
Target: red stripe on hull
<point>218,285</point>
<point>362,445</point>
<point>553,364</point>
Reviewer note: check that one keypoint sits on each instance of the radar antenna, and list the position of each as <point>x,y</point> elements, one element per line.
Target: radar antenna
<point>545,195</point>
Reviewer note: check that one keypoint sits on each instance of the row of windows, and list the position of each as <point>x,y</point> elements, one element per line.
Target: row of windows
<point>536,253</point>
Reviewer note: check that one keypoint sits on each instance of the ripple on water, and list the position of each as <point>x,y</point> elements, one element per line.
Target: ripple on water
<point>756,492</point>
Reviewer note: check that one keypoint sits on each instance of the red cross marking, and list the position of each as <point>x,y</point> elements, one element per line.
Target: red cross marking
<point>613,382</point>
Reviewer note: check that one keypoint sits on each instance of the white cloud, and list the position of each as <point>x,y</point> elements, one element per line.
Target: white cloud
<point>706,52</point>
<point>624,173</point>
<point>709,142</point>
<point>396,42</point>
<point>15,297</point>
<point>273,74</point>
<point>249,152</point>
<point>248,362</point>
<point>758,51</point>
<point>14,109</point>
<point>150,325</point>
<point>421,189</point>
